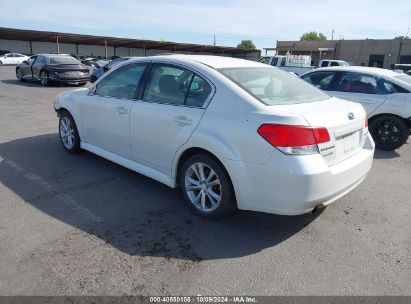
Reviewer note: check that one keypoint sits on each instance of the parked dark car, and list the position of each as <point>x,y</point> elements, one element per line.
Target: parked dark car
<point>48,68</point>
<point>97,73</point>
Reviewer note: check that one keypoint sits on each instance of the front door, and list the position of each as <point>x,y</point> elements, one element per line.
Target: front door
<point>106,111</point>
<point>170,110</point>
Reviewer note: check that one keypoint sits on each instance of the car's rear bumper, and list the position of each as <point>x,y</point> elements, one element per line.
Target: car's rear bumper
<point>70,80</point>
<point>292,185</point>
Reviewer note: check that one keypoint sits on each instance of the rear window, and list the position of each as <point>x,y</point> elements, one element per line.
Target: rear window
<point>64,60</point>
<point>272,86</point>
<point>405,78</point>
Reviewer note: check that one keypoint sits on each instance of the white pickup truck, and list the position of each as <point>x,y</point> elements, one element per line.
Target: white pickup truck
<point>297,64</point>
<point>332,62</point>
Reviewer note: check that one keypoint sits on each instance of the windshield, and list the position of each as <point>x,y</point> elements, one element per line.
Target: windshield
<point>64,60</point>
<point>404,78</point>
<point>274,87</point>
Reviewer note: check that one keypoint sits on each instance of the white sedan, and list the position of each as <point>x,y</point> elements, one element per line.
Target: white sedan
<point>13,58</point>
<point>231,133</point>
<point>384,94</point>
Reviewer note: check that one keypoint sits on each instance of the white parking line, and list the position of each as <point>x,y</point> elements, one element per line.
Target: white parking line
<point>64,198</point>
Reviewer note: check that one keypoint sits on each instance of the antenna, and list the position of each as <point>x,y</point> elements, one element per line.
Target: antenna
<point>214,40</point>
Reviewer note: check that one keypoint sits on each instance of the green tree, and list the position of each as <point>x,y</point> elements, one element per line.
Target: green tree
<point>401,37</point>
<point>246,44</point>
<point>313,36</point>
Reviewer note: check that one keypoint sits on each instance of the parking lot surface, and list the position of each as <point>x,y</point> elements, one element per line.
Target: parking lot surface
<point>81,225</point>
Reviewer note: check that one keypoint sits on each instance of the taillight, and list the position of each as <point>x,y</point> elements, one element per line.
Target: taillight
<point>292,139</point>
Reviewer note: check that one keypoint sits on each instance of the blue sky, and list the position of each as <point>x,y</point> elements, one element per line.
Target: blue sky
<point>262,21</point>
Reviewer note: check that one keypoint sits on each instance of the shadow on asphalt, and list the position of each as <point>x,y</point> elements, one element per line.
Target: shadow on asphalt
<point>138,215</point>
<point>381,154</point>
<point>32,83</point>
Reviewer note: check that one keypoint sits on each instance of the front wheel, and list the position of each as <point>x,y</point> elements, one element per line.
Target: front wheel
<point>68,133</point>
<point>207,187</point>
<point>389,132</point>
<point>19,74</point>
<point>81,84</point>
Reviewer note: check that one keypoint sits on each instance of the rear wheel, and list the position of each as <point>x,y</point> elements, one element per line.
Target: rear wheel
<point>68,133</point>
<point>19,74</point>
<point>389,132</point>
<point>207,187</point>
<point>44,78</point>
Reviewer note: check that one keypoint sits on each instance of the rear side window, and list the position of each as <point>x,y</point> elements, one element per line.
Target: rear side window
<point>391,88</point>
<point>121,83</point>
<point>320,80</point>
<point>335,63</point>
<point>357,83</point>
<point>170,84</point>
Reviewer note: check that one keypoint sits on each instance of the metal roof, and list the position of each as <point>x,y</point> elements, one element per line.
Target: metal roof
<point>43,36</point>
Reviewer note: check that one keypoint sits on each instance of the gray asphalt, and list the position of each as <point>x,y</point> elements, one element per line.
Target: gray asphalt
<point>81,225</point>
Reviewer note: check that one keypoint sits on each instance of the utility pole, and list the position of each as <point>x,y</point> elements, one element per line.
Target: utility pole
<point>214,40</point>
<point>58,44</point>
<point>408,30</point>
<point>332,34</point>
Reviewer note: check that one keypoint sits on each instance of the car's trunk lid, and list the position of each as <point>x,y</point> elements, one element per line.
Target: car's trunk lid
<point>344,120</point>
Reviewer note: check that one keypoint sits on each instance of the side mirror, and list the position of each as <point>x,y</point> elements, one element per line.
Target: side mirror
<point>26,62</point>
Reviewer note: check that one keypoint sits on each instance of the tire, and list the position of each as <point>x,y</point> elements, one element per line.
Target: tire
<point>214,198</point>
<point>44,78</point>
<point>389,132</point>
<point>68,133</point>
<point>19,74</point>
<point>80,84</point>
<point>93,79</point>
<point>1,62</point>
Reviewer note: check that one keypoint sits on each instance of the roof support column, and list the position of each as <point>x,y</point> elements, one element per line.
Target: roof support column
<point>105,48</point>
<point>58,44</point>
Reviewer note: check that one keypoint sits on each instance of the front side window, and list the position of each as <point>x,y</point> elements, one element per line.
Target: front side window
<point>357,83</point>
<point>175,85</point>
<point>334,63</point>
<point>121,83</point>
<point>272,86</point>
<point>320,80</point>
<point>40,60</point>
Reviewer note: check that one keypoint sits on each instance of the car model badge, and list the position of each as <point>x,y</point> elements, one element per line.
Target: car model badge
<point>351,116</point>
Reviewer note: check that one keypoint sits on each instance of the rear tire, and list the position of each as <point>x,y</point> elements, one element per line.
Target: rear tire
<point>389,132</point>
<point>81,84</point>
<point>44,78</point>
<point>207,187</point>
<point>68,133</point>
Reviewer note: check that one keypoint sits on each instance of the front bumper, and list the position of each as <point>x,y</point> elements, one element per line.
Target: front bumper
<point>293,185</point>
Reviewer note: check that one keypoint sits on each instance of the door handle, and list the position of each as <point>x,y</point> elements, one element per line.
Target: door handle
<point>182,121</point>
<point>121,110</point>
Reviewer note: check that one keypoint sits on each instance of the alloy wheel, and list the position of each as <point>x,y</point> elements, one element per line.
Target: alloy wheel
<point>67,133</point>
<point>387,132</point>
<point>43,78</point>
<point>203,187</point>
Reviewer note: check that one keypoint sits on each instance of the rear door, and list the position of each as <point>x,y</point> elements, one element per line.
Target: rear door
<point>361,88</point>
<point>167,113</point>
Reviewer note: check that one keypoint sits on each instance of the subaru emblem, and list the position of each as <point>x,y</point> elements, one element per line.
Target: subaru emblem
<point>351,116</point>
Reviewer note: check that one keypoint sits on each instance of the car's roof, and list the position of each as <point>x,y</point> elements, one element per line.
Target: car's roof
<point>215,62</point>
<point>360,69</point>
